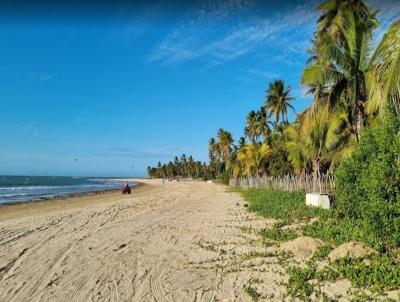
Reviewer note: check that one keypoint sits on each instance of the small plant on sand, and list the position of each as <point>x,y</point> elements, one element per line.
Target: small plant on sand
<point>322,252</point>
<point>252,292</point>
<point>277,234</point>
<point>298,285</point>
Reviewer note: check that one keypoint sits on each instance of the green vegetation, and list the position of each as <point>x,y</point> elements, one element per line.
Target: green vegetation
<point>277,234</point>
<point>252,292</point>
<point>378,272</point>
<point>368,185</point>
<point>181,167</point>
<point>286,207</point>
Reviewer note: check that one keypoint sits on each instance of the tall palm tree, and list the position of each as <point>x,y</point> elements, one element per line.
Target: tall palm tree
<point>316,145</point>
<point>263,123</point>
<point>225,142</point>
<point>278,100</point>
<point>295,144</point>
<point>251,130</point>
<point>347,70</point>
<point>340,67</point>
<point>330,13</point>
<point>214,156</point>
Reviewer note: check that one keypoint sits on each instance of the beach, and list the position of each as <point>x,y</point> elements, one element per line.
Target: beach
<point>172,241</point>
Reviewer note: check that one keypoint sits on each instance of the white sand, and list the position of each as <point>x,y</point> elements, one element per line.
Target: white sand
<point>178,241</point>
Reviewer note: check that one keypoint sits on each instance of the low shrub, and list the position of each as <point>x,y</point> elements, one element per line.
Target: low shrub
<point>368,186</point>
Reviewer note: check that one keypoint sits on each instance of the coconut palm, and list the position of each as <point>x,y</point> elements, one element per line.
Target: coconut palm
<point>341,68</point>
<point>214,156</point>
<point>278,100</point>
<point>225,142</point>
<point>252,130</point>
<point>263,123</point>
<point>330,13</point>
<point>251,159</point>
<point>384,72</point>
<point>347,70</point>
<point>241,143</point>
<point>295,145</point>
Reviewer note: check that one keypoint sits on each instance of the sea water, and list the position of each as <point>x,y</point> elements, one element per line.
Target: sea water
<point>15,189</point>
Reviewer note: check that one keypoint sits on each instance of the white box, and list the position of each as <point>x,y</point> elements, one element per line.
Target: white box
<point>318,200</point>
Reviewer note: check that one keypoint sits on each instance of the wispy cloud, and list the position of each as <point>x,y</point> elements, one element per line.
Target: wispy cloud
<point>263,73</point>
<point>197,39</point>
<point>40,76</point>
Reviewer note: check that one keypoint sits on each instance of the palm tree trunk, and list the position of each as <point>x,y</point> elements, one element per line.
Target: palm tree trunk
<point>316,168</point>
<point>360,119</point>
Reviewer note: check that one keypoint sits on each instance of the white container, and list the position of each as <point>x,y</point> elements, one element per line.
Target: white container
<point>319,200</point>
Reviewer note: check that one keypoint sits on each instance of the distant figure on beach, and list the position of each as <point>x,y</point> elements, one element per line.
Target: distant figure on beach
<point>126,189</point>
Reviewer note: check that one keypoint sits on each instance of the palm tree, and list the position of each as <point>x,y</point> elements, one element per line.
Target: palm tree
<point>349,73</point>
<point>278,100</point>
<point>330,13</point>
<point>251,130</point>
<point>225,141</point>
<point>251,159</point>
<point>384,76</point>
<point>295,145</point>
<point>214,156</point>
<point>263,123</point>
<point>241,143</point>
<point>316,146</point>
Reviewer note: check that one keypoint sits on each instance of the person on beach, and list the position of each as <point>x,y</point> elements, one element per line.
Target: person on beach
<point>126,189</point>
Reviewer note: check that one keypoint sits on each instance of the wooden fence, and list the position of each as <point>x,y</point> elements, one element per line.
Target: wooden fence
<point>308,183</point>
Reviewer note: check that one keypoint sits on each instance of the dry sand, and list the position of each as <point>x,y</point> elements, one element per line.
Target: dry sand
<point>172,241</point>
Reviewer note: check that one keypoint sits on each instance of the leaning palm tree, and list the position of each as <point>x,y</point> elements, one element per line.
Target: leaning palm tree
<point>278,100</point>
<point>348,72</point>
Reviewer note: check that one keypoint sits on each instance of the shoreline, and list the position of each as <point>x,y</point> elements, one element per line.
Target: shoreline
<point>81,200</point>
<point>74,194</point>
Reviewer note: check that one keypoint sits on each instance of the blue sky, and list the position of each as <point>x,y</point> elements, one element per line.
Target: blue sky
<point>109,93</point>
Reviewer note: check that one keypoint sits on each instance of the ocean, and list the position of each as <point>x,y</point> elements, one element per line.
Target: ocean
<point>15,189</point>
